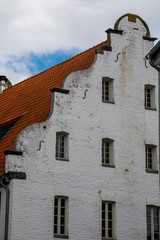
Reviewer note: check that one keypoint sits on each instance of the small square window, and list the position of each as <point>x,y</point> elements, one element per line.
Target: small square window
<point>107,228</point>
<point>153,223</point>
<point>62,146</point>
<point>150,97</point>
<point>61,217</point>
<point>107,152</point>
<point>151,163</point>
<point>107,90</point>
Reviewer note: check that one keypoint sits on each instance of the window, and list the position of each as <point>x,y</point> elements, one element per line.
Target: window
<point>60,216</point>
<point>151,158</point>
<point>107,90</point>
<point>150,97</point>
<point>62,146</point>
<point>107,152</point>
<point>107,220</point>
<point>4,129</point>
<point>153,218</point>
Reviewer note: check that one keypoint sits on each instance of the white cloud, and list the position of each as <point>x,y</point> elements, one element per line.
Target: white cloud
<point>41,26</point>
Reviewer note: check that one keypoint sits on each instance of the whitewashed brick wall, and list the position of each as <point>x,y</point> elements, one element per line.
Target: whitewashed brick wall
<point>83,179</point>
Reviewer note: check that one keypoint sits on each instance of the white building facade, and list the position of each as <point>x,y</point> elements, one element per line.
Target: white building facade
<point>92,169</point>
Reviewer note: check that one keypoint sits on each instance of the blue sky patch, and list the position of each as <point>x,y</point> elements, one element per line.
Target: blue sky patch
<point>45,61</point>
<point>35,63</point>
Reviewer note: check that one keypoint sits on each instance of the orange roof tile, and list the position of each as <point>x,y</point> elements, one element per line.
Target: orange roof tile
<point>31,98</point>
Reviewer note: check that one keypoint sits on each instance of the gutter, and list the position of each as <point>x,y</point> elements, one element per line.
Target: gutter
<point>154,55</point>
<point>4,181</point>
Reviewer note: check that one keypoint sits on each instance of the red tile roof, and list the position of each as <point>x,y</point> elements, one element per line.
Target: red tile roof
<point>30,100</point>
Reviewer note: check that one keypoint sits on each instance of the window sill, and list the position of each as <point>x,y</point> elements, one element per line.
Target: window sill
<point>107,238</point>
<point>60,236</point>
<point>106,165</point>
<point>62,159</point>
<point>111,102</point>
<point>151,171</point>
<point>152,109</point>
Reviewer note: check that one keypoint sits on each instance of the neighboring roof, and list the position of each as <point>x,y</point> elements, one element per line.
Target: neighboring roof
<point>29,101</point>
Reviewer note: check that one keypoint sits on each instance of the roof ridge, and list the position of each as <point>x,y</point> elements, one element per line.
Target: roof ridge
<point>58,64</point>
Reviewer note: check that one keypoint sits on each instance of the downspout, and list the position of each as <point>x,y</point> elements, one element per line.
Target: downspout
<point>3,183</point>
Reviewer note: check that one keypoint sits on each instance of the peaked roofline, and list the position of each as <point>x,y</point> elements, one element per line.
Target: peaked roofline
<point>32,96</point>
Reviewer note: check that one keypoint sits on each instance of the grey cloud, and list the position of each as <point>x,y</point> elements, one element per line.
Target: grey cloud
<point>40,26</point>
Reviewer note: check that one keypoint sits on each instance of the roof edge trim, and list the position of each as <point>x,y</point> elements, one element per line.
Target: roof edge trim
<point>149,38</point>
<point>116,31</point>
<point>16,175</point>
<point>7,152</point>
<point>65,91</point>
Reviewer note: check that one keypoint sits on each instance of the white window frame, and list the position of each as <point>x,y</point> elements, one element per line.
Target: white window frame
<point>61,149</point>
<point>107,90</point>
<point>149,97</point>
<point>152,223</point>
<point>108,218</point>
<point>58,225</point>
<point>107,152</point>
<point>150,157</point>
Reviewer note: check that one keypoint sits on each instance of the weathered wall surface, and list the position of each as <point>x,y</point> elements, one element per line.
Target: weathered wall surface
<point>87,120</point>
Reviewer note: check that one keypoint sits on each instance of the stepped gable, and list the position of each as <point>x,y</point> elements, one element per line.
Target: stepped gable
<point>29,101</point>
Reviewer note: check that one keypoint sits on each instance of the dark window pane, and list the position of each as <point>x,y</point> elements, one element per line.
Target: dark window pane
<point>62,220</point>
<point>63,202</point>
<point>62,230</point>
<point>156,211</point>
<point>156,236</point>
<point>103,224</point>
<point>148,228</point>
<point>103,206</point>
<point>156,220</point>
<point>110,224</point>
<point>61,155</point>
<point>55,220</point>
<point>62,211</point>
<point>55,211</point>
<point>148,219</point>
<point>110,207</point>
<point>56,202</point>
<point>110,233</point>
<point>103,232</point>
<point>103,215</point>
<point>55,229</point>
<point>109,215</point>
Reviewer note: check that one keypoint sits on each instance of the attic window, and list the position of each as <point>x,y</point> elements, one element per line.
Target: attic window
<point>107,90</point>
<point>5,128</point>
<point>62,146</point>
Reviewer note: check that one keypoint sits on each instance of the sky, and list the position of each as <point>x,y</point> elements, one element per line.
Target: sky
<point>37,34</point>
